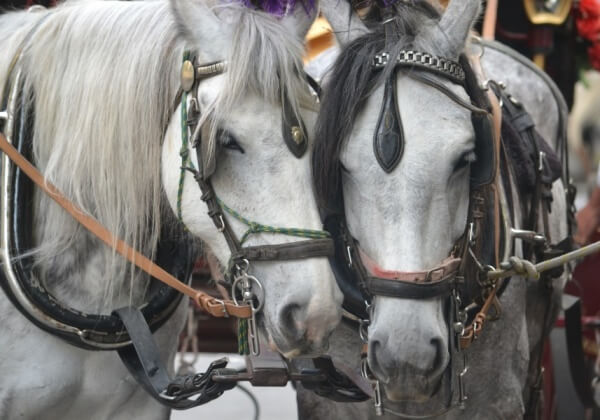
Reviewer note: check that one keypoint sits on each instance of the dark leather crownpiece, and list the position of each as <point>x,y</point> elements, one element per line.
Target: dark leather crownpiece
<point>388,143</point>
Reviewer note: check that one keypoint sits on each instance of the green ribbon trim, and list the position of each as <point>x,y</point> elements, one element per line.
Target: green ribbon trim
<point>243,345</point>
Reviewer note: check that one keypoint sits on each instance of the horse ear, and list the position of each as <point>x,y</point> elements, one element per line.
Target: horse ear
<point>202,27</point>
<point>301,18</point>
<point>450,36</point>
<point>346,24</point>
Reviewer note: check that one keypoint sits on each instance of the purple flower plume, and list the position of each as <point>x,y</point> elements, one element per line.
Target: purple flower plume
<point>279,7</point>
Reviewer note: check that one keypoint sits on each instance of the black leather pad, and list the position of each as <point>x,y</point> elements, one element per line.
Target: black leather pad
<point>294,131</point>
<point>483,170</point>
<point>388,143</point>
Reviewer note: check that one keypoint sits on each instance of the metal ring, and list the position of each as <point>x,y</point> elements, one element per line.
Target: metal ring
<point>253,280</point>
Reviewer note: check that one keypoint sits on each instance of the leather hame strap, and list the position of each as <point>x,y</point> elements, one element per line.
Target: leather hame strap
<point>215,307</point>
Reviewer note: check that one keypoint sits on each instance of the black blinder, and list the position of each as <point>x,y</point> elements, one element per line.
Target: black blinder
<point>294,131</point>
<point>483,170</point>
<point>388,143</point>
<point>206,151</point>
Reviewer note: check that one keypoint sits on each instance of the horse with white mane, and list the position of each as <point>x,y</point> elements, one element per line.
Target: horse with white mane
<point>101,80</point>
<point>398,159</point>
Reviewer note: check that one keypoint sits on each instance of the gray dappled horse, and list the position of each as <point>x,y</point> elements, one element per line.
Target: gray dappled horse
<point>407,204</point>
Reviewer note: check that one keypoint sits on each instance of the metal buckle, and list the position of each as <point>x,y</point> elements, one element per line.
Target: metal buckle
<point>220,302</point>
<point>429,274</point>
<point>349,254</point>
<point>472,235</point>
<point>221,228</point>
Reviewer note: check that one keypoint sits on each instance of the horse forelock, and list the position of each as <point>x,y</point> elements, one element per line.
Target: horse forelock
<point>265,60</point>
<point>350,83</point>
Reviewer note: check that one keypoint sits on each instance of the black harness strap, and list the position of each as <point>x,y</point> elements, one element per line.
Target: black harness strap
<point>143,361</point>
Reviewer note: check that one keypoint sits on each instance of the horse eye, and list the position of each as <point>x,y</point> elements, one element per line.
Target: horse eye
<point>228,141</point>
<point>465,160</point>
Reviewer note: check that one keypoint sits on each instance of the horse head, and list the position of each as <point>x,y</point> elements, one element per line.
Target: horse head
<point>400,151</point>
<point>255,120</point>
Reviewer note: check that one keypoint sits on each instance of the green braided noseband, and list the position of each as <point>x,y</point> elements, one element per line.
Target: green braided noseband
<point>254,227</point>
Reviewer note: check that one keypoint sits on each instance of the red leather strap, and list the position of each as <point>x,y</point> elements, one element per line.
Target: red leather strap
<point>448,267</point>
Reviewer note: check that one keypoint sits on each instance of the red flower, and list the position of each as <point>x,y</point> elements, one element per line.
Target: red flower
<point>588,19</point>
<point>594,55</point>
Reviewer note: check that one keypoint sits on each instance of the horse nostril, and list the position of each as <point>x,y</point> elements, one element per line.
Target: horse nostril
<point>375,348</point>
<point>291,320</point>
<point>441,359</point>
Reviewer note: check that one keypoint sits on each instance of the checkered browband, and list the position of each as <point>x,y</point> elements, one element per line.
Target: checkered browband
<point>408,58</point>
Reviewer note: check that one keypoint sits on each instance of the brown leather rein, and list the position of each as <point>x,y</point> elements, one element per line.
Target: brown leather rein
<point>215,307</point>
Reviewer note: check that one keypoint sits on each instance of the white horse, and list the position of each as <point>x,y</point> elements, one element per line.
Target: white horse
<point>104,77</point>
<point>410,218</point>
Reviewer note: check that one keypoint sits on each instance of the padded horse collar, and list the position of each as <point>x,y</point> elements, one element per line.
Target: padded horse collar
<point>17,278</point>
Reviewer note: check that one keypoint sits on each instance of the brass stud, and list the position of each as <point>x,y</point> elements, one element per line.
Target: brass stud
<point>188,76</point>
<point>297,135</point>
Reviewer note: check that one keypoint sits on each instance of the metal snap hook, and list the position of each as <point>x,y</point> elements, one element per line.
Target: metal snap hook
<point>245,283</point>
<point>242,268</point>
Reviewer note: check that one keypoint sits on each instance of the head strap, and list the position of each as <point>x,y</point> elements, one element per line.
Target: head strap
<point>409,58</point>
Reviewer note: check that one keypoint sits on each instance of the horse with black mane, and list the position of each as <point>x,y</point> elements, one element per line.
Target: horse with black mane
<point>429,206</point>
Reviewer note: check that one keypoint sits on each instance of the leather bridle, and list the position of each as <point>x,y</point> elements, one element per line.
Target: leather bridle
<point>463,273</point>
<point>241,282</point>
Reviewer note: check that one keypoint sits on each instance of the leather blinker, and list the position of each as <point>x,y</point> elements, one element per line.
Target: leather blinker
<point>388,143</point>
<point>294,131</point>
<point>208,153</point>
<point>483,170</point>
